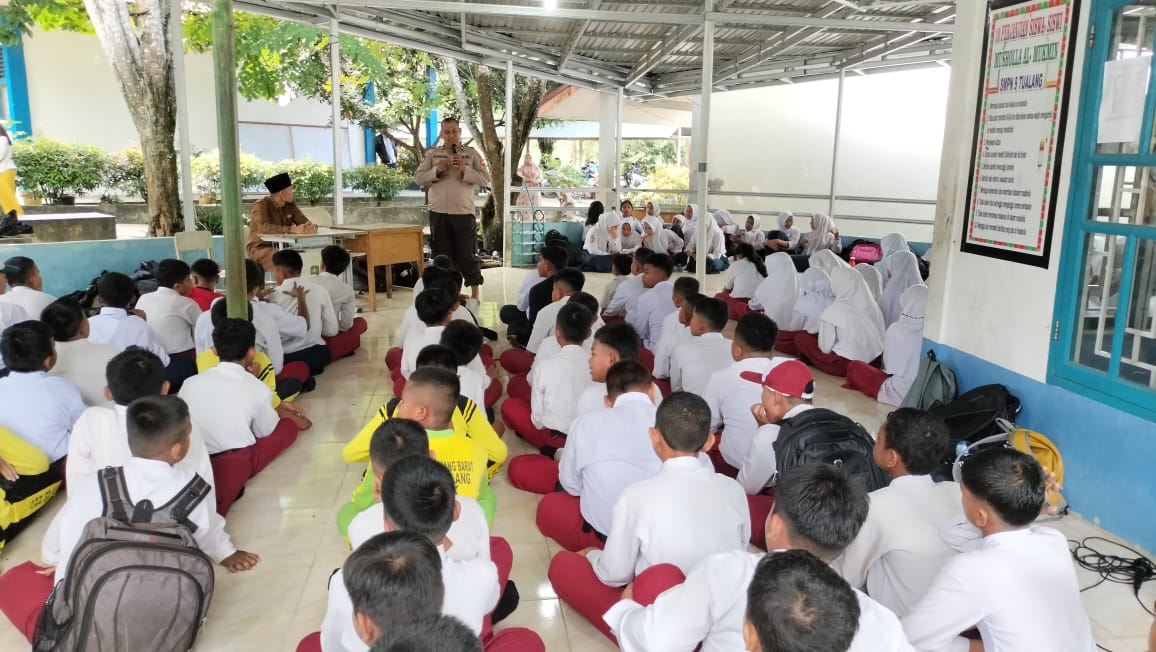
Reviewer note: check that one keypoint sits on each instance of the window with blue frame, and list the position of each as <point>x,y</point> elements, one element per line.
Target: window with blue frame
<point>1104,341</point>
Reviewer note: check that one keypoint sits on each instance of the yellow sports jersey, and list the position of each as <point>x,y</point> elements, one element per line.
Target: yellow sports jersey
<point>208,359</point>
<point>464,457</point>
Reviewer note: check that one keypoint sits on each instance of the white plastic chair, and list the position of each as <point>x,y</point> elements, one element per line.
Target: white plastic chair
<point>318,215</point>
<point>193,241</point>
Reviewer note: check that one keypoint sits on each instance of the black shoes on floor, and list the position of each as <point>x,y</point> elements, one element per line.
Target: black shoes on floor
<point>10,226</point>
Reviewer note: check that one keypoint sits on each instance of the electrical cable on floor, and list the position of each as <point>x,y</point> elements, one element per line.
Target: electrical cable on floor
<point>1118,569</point>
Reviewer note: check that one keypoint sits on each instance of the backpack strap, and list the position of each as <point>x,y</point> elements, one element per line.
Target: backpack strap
<point>114,493</point>
<point>186,500</point>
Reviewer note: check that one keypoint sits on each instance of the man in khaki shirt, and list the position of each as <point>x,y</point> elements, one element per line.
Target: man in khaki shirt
<point>450,174</point>
<point>276,213</point>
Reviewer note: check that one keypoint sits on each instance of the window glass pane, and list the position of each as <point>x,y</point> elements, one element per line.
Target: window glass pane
<point>1096,311</point>
<point>1124,195</point>
<point>1138,358</point>
<point>1133,30</point>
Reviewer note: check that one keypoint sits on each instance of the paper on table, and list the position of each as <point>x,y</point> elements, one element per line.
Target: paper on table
<point>1122,103</point>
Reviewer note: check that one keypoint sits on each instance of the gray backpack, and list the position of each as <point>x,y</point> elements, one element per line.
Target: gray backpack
<point>136,581</point>
<point>934,385</point>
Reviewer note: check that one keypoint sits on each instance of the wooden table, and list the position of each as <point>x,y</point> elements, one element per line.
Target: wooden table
<point>386,244</point>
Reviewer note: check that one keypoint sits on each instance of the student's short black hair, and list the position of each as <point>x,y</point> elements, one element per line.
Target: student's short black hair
<point>463,339</point>
<point>254,275</point>
<point>798,603</point>
<point>288,260</point>
<point>436,355</point>
<point>556,255</point>
<point>219,311</point>
<point>445,386</point>
<point>642,255</point>
<point>432,272</point>
<point>662,262</point>
<point>394,578</point>
<point>438,634</point>
<point>155,423</point>
<point>395,439</point>
<point>823,505</point>
<point>691,301</point>
<point>574,322</point>
<point>63,317</point>
<point>134,373</point>
<point>442,261</point>
<point>622,263</point>
<point>433,305</point>
<point>450,283</point>
<point>206,268</point>
<point>757,332</point>
<point>713,311</point>
<point>585,299</point>
<point>336,259</point>
<point>627,376</point>
<point>26,346</point>
<point>23,269</point>
<point>622,338</point>
<point>684,421</point>
<point>572,278</point>
<point>919,437</point>
<point>1011,482</point>
<point>171,271</point>
<point>115,289</point>
<point>232,338</point>
<point>684,286</point>
<point>418,494</point>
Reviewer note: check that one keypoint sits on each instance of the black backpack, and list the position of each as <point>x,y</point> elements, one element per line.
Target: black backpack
<point>822,436</point>
<point>972,416</point>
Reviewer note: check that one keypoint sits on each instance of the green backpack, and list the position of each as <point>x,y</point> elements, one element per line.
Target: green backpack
<point>934,385</point>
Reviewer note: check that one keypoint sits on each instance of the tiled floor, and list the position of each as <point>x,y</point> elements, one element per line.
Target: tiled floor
<point>287,517</point>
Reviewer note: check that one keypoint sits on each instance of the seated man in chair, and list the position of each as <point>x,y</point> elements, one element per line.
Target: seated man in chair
<point>276,213</point>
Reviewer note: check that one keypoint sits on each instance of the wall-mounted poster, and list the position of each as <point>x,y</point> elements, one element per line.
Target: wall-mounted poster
<point>1020,130</point>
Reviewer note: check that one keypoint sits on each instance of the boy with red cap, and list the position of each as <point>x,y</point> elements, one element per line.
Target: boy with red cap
<point>787,391</point>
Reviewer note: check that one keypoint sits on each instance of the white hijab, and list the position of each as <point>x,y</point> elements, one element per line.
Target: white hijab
<point>817,296</point>
<point>599,240</point>
<point>723,217</point>
<point>651,210</point>
<point>892,243</point>
<point>822,236</point>
<point>664,240</point>
<point>873,278</point>
<point>791,235</point>
<point>778,293</point>
<point>783,217</point>
<point>904,274</point>
<point>903,344</point>
<point>852,326</point>
<point>632,241</point>
<point>828,261</point>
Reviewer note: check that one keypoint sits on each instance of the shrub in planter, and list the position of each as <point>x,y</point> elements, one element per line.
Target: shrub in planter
<point>206,168</point>
<point>124,174</point>
<point>312,180</point>
<point>383,182</point>
<point>53,169</point>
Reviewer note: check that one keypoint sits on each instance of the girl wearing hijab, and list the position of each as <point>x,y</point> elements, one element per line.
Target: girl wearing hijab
<point>652,211</point>
<point>901,354</point>
<point>716,249</point>
<point>743,279</point>
<point>532,176</point>
<point>892,243</point>
<point>723,218</point>
<point>777,295</point>
<point>873,278</point>
<point>816,297</point>
<point>904,274</point>
<point>753,235</point>
<point>851,328</point>
<point>602,243</point>
<point>660,240</point>
<point>592,214</point>
<point>629,236</point>
<point>827,261</point>
<point>823,236</point>
<point>788,239</point>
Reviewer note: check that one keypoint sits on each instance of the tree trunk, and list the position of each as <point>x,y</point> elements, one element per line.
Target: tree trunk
<point>137,46</point>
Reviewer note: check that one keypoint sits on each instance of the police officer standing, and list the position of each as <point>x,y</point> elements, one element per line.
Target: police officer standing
<point>450,174</point>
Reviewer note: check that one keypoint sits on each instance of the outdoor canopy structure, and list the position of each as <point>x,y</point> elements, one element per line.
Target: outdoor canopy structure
<point>638,50</point>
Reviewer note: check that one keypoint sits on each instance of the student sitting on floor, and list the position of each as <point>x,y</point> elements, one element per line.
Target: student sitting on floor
<point>656,302</point>
<point>904,270</point>
<point>440,261</point>
<point>815,286</point>
<point>622,273</point>
<point>297,293</point>
<point>902,353</point>
<point>275,327</point>
<point>27,482</point>
<point>777,295</point>
<point>206,275</point>
<point>170,313</point>
<point>743,278</point>
<point>10,313</point>
<point>625,296</point>
<point>851,328</point>
<point>660,239</point>
<point>605,453</point>
<point>464,340</point>
<point>118,324</point>
<point>900,549</point>
<point>1018,587</point>
<point>601,243</point>
<point>613,343</point>
<point>536,293</point>
<point>716,247</point>
<point>796,603</point>
<point>674,330</point>
<point>441,634</point>
<point>566,283</point>
<point>36,407</point>
<point>680,516</point>
<point>25,286</point>
<point>78,360</point>
<point>158,436</point>
<point>730,396</point>
<point>243,432</point>
<point>334,262</point>
<point>681,337</point>
<point>818,510</point>
<point>706,352</point>
<point>550,345</point>
<point>435,308</point>
<point>449,280</point>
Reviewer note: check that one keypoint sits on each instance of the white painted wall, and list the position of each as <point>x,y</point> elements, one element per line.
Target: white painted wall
<point>75,97</point>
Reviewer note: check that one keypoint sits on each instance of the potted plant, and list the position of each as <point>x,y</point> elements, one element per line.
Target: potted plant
<point>58,171</point>
<point>381,181</point>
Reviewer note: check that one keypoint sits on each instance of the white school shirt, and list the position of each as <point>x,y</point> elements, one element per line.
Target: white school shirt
<point>322,319</point>
<point>122,329</point>
<point>341,297</point>
<point>1018,588</point>
<point>172,318</point>
<point>414,342</point>
<point>710,606</point>
<point>550,346</point>
<point>652,308</point>
<point>608,292</point>
<point>470,533</point>
<point>760,466</point>
<point>83,364</point>
<point>545,323</point>
<point>10,314</point>
<point>730,398</point>
<point>40,409</point>
<point>743,279</point>
<point>146,480</point>
<point>473,385</point>
<point>232,405</point>
<point>697,359</point>
<point>471,592</point>
<point>682,515</point>
<point>531,279</point>
<point>625,297</point>
<point>607,451</point>
<point>674,334</point>
<point>411,324</point>
<point>32,301</point>
<point>593,398</point>
<point>274,326</point>
<point>899,550</point>
<point>555,385</point>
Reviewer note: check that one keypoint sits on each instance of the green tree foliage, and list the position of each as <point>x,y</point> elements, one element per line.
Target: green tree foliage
<point>18,17</point>
<point>648,154</point>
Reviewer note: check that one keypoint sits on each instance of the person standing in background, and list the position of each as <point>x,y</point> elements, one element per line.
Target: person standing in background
<point>386,150</point>
<point>9,205</point>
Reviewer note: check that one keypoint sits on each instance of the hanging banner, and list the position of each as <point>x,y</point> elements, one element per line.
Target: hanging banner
<point>1019,130</point>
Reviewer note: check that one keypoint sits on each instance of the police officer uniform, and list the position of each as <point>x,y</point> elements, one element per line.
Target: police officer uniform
<point>452,219</point>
